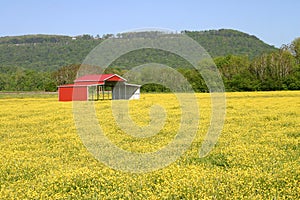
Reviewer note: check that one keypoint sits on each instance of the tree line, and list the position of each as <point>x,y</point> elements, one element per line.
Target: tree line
<point>276,70</point>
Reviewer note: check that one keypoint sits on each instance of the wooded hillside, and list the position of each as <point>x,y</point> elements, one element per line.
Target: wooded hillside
<point>42,62</point>
<point>50,52</point>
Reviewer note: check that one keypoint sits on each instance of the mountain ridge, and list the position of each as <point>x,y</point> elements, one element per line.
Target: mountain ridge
<point>46,52</point>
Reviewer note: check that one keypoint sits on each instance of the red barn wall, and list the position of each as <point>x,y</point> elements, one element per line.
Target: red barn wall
<point>115,78</point>
<point>72,93</point>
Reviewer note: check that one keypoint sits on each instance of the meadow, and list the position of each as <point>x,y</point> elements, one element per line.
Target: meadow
<point>257,155</point>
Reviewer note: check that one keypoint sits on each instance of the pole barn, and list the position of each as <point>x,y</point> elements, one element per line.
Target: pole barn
<point>98,87</point>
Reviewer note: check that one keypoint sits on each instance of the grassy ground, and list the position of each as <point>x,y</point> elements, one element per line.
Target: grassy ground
<point>257,155</point>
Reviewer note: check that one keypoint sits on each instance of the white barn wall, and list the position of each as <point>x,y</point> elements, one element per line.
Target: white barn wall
<point>136,94</point>
<point>126,91</point>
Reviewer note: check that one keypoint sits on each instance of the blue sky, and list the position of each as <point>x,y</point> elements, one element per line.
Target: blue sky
<point>275,22</point>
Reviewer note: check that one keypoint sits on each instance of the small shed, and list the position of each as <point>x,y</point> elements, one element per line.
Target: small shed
<point>98,87</point>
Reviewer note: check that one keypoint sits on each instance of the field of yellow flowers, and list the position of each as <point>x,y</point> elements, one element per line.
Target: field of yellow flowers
<point>257,155</point>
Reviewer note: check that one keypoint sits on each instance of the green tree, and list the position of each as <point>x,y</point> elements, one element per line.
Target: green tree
<point>3,79</point>
<point>273,69</point>
<point>235,72</point>
<point>19,80</point>
<point>66,74</point>
<point>295,48</point>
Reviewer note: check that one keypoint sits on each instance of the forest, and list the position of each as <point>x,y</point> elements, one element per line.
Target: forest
<point>42,62</point>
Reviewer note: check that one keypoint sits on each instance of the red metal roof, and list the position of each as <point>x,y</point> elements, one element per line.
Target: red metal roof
<point>99,78</point>
<point>94,79</point>
<point>82,84</point>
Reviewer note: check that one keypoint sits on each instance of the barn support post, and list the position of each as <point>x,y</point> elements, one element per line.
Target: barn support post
<point>92,93</point>
<point>102,92</point>
<point>98,92</point>
<point>125,91</point>
<point>87,93</point>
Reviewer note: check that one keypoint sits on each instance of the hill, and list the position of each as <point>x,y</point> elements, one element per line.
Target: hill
<point>51,52</point>
<point>226,41</point>
<point>44,52</point>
